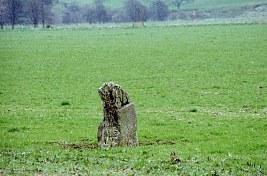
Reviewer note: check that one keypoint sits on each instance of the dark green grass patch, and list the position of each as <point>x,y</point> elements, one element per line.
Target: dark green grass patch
<point>11,130</point>
<point>65,103</point>
<point>199,92</point>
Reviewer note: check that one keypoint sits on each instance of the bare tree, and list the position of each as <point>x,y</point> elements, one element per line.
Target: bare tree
<point>159,10</point>
<point>34,10</point>
<point>136,11</point>
<point>39,10</point>
<point>178,3</point>
<point>100,12</point>
<point>2,14</point>
<point>14,9</point>
<point>96,12</point>
<point>45,11</point>
<point>89,14</point>
<point>73,14</point>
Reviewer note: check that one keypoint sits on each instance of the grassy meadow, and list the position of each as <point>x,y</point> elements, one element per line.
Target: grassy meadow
<point>199,91</point>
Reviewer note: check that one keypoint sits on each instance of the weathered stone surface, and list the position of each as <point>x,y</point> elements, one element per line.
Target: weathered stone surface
<point>119,125</point>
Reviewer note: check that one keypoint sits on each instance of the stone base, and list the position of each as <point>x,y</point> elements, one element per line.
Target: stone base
<point>122,133</point>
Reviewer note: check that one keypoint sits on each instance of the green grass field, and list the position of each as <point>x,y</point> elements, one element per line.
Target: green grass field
<point>199,91</point>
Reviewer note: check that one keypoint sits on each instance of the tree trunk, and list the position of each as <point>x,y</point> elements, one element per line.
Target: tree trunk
<point>35,25</point>
<point>2,22</point>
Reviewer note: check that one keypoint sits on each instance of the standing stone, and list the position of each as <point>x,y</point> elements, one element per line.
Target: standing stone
<point>119,125</point>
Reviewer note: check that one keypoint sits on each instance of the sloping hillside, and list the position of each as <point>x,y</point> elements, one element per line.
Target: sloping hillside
<point>214,4</point>
<point>250,10</point>
<point>195,4</point>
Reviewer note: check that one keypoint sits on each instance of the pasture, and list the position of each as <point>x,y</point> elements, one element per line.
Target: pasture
<point>199,91</point>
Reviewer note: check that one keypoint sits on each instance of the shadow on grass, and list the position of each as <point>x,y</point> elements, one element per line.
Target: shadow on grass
<point>156,142</point>
<point>88,145</point>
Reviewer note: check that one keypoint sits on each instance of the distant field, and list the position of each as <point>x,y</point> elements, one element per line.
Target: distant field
<point>213,4</point>
<point>196,4</point>
<point>199,91</point>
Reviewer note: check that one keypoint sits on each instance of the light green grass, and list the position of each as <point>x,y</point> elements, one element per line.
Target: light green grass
<point>199,91</point>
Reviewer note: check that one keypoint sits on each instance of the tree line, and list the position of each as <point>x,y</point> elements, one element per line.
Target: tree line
<point>41,12</point>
